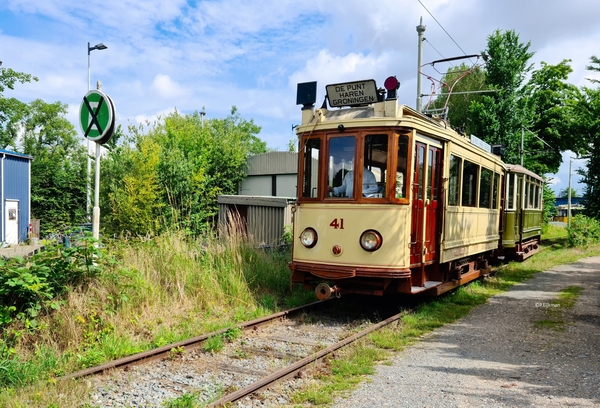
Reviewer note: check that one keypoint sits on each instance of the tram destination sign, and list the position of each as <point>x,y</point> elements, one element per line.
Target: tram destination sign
<point>352,93</point>
<point>480,143</point>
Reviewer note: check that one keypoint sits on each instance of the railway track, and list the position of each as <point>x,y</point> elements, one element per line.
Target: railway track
<point>264,352</point>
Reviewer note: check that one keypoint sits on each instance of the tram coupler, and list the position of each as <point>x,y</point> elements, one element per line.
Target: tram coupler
<point>324,291</point>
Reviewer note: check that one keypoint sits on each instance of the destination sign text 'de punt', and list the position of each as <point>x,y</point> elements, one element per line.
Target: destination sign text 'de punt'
<point>352,93</point>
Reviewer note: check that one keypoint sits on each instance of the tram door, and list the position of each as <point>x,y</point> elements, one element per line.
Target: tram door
<point>426,196</point>
<point>432,198</point>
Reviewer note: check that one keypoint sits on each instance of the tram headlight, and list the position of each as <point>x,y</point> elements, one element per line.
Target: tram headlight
<point>371,240</point>
<point>309,237</point>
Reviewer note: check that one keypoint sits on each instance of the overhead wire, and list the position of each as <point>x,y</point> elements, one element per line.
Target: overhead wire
<point>431,45</point>
<point>442,27</point>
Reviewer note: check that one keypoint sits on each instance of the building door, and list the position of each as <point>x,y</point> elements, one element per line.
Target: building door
<point>12,223</point>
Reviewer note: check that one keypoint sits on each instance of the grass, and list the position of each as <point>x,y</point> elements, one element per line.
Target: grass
<point>555,309</point>
<point>206,284</point>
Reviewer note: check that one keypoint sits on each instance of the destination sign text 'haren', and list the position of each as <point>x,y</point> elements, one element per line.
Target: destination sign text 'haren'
<point>352,93</point>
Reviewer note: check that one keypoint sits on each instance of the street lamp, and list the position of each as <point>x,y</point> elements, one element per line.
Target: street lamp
<point>99,46</point>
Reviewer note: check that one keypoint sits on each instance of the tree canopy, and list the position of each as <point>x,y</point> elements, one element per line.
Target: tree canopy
<point>586,124</point>
<point>171,173</point>
<point>58,171</point>
<point>11,109</point>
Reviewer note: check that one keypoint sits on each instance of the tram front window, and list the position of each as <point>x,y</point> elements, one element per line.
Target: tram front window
<point>374,173</point>
<point>340,176</point>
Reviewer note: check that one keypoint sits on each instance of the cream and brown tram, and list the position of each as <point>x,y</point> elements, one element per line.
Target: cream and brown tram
<point>390,201</point>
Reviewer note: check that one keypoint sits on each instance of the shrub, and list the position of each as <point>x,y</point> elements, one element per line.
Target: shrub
<point>584,231</point>
<point>29,287</point>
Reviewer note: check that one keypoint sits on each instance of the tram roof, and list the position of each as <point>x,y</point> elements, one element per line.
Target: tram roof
<point>515,168</point>
<point>386,114</point>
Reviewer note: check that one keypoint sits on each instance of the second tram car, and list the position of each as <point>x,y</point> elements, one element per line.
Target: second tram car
<point>522,232</point>
<point>391,200</point>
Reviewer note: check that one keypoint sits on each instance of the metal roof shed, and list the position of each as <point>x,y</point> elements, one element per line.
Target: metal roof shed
<point>262,218</point>
<point>15,197</point>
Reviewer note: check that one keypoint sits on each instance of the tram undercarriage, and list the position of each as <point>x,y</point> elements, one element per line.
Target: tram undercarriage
<point>427,280</point>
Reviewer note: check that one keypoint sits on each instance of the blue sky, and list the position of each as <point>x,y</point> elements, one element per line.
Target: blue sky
<point>175,54</point>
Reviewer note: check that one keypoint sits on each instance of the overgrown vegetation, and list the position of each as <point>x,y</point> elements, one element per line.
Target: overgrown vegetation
<point>69,309</point>
<point>583,232</point>
<point>169,173</point>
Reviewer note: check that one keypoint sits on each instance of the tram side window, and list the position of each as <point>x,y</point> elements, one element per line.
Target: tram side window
<point>510,205</point>
<point>495,191</point>
<point>485,187</point>
<point>340,175</point>
<point>401,166</point>
<point>469,184</point>
<point>531,194</point>
<point>310,177</point>
<point>537,197</point>
<point>453,185</point>
<point>376,158</point>
<point>420,170</point>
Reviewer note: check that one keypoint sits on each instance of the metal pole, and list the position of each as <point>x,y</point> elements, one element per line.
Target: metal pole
<point>522,143</point>
<point>569,197</point>
<point>96,215</point>
<point>89,160</point>
<point>420,30</point>
<point>100,47</point>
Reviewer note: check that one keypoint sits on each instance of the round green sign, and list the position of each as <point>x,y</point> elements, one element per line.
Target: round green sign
<point>97,116</point>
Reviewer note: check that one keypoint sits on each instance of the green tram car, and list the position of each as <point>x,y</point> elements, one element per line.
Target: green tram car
<point>522,233</point>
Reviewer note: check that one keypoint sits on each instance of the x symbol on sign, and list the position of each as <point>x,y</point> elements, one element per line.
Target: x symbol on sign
<point>93,115</point>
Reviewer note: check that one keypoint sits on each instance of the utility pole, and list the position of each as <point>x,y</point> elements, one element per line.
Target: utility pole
<point>420,30</point>
<point>569,196</point>
<point>522,152</point>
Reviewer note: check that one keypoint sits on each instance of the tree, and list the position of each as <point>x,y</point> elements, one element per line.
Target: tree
<point>58,171</point>
<point>594,66</point>
<point>499,117</point>
<point>586,125</point>
<point>550,101</point>
<point>12,110</point>
<point>464,92</point>
<point>173,170</point>
<point>565,193</point>
<point>549,201</point>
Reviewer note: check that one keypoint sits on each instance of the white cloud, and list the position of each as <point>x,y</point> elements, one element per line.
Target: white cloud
<point>167,88</point>
<point>188,54</point>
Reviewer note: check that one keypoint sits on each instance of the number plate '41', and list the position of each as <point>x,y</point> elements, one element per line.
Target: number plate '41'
<point>337,224</point>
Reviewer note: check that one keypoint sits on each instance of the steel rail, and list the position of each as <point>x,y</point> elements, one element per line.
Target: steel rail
<point>187,344</point>
<point>297,366</point>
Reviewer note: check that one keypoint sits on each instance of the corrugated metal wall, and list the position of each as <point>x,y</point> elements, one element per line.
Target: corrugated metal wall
<point>273,163</point>
<point>16,186</point>
<point>265,217</point>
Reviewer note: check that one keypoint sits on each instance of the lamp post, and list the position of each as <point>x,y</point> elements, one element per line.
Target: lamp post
<point>569,192</point>
<point>99,46</point>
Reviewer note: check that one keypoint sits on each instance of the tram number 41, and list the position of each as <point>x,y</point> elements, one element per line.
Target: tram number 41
<point>337,224</point>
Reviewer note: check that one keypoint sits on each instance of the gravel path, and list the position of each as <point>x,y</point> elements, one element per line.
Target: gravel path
<point>497,357</point>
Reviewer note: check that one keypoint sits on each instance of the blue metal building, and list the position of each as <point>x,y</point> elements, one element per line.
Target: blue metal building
<point>15,197</point>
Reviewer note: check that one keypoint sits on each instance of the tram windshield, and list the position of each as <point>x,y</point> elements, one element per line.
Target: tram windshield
<point>340,175</point>
<point>355,166</point>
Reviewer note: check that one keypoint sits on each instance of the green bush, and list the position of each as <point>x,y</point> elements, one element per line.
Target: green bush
<point>32,286</point>
<point>584,231</point>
